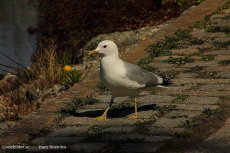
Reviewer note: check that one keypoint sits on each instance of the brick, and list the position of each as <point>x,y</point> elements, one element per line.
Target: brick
<point>72,131</point>
<point>154,99</point>
<point>216,87</point>
<point>201,63</point>
<point>88,147</point>
<point>166,131</point>
<point>202,33</point>
<point>140,137</point>
<point>195,107</point>
<point>119,129</point>
<point>222,57</point>
<point>169,123</point>
<point>224,75</point>
<point>141,147</point>
<point>182,113</point>
<point>218,52</point>
<point>185,51</point>
<point>201,100</point>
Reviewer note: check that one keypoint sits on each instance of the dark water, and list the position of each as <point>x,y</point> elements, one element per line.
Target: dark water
<point>15,42</point>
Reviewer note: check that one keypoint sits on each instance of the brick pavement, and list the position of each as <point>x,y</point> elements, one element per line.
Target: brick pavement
<point>82,133</point>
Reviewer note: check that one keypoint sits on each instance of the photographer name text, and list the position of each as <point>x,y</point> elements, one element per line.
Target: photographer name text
<point>45,147</point>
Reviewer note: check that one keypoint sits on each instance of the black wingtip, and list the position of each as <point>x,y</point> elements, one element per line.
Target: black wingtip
<point>166,80</point>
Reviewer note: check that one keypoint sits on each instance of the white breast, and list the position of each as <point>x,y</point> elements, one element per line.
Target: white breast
<point>113,76</point>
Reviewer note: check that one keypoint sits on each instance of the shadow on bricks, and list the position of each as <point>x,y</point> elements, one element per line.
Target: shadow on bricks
<point>116,112</point>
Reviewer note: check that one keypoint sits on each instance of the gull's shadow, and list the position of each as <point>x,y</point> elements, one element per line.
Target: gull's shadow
<point>116,112</point>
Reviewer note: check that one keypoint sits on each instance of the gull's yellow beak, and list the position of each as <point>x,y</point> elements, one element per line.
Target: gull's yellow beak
<point>93,52</point>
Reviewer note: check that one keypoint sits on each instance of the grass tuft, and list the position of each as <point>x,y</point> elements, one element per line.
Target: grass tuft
<point>201,24</point>
<point>51,68</point>
<point>144,63</point>
<point>46,70</point>
<point>178,60</point>
<point>100,88</point>
<point>165,109</point>
<point>221,44</point>
<point>195,69</point>
<point>179,99</point>
<point>208,57</point>
<point>162,48</point>
<point>172,73</point>
<point>78,103</point>
<point>224,62</point>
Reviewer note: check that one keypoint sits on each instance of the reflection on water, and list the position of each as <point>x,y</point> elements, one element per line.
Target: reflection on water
<point>15,18</point>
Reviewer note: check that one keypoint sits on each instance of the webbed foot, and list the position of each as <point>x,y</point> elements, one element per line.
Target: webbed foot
<point>100,118</point>
<point>134,116</point>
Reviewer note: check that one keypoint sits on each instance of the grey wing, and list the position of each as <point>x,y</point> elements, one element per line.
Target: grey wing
<point>136,73</point>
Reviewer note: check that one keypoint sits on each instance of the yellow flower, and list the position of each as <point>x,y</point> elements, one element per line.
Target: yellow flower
<point>143,38</point>
<point>67,68</point>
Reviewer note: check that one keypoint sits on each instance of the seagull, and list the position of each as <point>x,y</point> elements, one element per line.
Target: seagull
<point>122,78</point>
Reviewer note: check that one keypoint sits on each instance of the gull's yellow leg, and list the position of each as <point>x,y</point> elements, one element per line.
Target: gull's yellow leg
<point>103,116</point>
<point>135,107</point>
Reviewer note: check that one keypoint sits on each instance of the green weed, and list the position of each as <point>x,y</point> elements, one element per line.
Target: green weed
<point>224,62</point>
<point>182,135</point>
<point>196,129</point>
<point>182,34</point>
<point>172,74</point>
<point>195,86</point>
<point>144,63</point>
<point>195,54</point>
<point>188,123</point>
<point>208,57</point>
<point>221,44</point>
<point>73,77</point>
<point>94,133</point>
<point>178,60</point>
<point>196,41</point>
<point>78,103</point>
<point>95,128</point>
<point>143,126</point>
<point>209,111</point>
<point>43,132</point>
<point>202,50</point>
<point>226,17</point>
<point>225,29</point>
<point>63,125</point>
<point>100,88</point>
<point>195,69</point>
<point>162,48</point>
<point>165,109</point>
<point>203,57</point>
<point>207,75</point>
<point>201,24</point>
<point>179,99</point>
<point>159,49</point>
<point>225,6</point>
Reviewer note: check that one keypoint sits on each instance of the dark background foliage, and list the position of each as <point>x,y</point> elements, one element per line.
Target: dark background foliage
<point>71,23</point>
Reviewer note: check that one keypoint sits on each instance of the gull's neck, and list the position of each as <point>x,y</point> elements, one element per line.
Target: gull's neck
<point>110,61</point>
<point>111,57</point>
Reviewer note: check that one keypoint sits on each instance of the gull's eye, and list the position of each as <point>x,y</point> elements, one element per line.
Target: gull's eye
<point>104,46</point>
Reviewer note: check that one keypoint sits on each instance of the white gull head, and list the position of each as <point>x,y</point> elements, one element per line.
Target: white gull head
<point>107,48</point>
